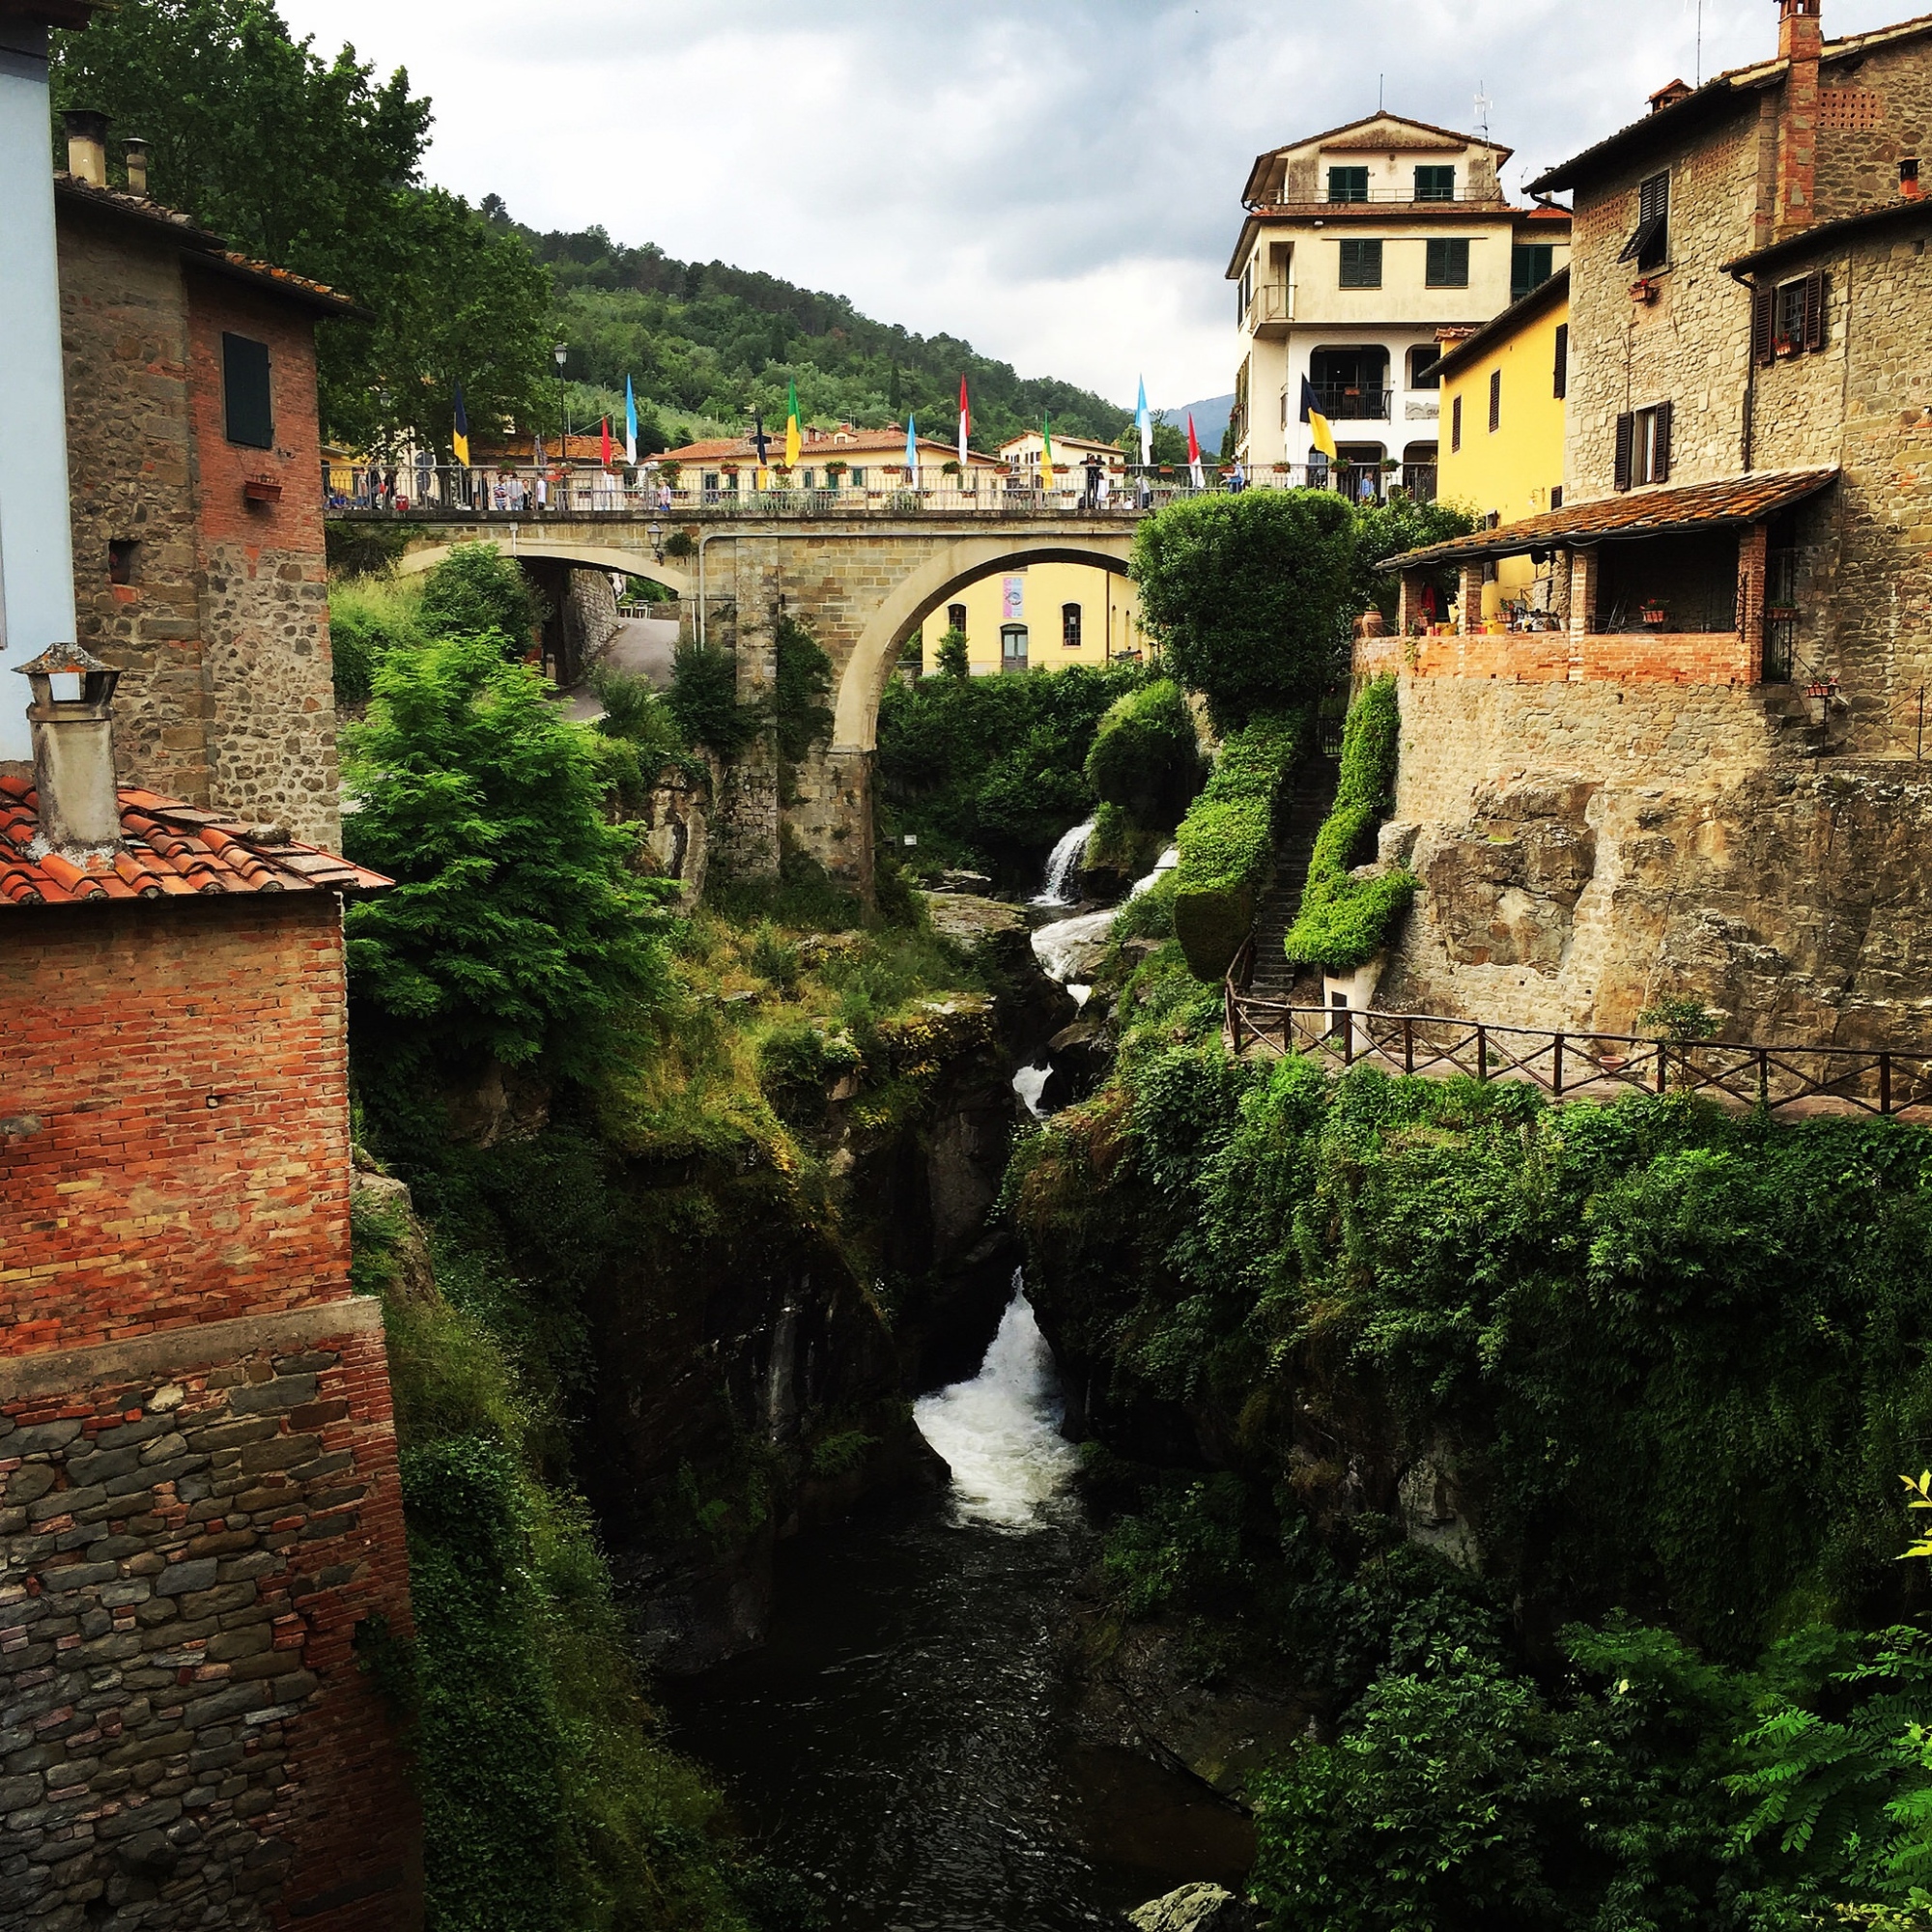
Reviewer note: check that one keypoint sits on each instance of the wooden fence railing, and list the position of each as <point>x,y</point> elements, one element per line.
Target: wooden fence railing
<point>1590,1065</point>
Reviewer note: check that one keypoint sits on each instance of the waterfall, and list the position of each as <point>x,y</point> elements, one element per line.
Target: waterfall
<point>1000,1433</point>
<point>1165,863</point>
<point>1060,865</point>
<point>1029,1083</point>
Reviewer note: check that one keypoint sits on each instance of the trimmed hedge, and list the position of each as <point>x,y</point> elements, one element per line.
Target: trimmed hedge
<point>1344,922</point>
<point>1227,843</point>
<point>1145,760</point>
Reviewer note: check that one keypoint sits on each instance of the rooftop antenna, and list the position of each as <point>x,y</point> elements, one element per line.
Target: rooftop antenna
<point>1379,79</point>
<point>1483,105</point>
<point>1700,43</point>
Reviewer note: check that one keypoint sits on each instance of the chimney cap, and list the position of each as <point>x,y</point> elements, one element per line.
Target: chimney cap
<point>60,658</point>
<point>84,124</point>
<point>1670,94</point>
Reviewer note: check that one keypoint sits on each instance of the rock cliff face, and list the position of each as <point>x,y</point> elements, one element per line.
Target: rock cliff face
<point>1585,849</point>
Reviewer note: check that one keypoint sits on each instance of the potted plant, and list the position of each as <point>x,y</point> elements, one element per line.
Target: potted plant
<point>950,468</point>
<point>835,471</point>
<point>1655,613</point>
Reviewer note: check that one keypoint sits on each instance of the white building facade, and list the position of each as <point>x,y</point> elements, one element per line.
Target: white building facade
<point>1361,251</point>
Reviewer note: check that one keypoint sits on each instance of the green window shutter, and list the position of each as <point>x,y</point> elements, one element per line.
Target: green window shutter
<point>1435,184</point>
<point>1448,265</point>
<point>1531,265</point>
<point>248,404</point>
<point>1361,265</point>
<point>1348,184</point>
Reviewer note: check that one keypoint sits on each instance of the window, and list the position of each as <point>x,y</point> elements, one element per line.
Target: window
<point>1531,265</point>
<point>955,618</point>
<point>1788,319</point>
<point>1069,626</point>
<point>1012,647</point>
<point>711,479</point>
<point>1435,184</point>
<point>1244,293</point>
<point>249,408</point>
<point>858,479</point>
<point>1559,386</point>
<point>1556,496</point>
<point>810,479</point>
<point>1495,400</point>
<point>1424,366</point>
<point>1649,246</point>
<point>1348,184</point>
<point>1448,265</point>
<point>1644,446</point>
<point>1361,265</point>
<point>1456,424</point>
<point>121,553</point>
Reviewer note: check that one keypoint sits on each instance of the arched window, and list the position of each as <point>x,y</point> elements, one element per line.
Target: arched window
<point>1069,626</point>
<point>955,618</point>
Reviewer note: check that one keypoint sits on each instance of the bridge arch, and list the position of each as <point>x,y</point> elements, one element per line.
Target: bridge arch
<point>578,556</point>
<point>922,592</point>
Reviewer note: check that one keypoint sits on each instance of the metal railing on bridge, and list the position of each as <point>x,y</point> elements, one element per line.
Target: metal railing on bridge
<point>444,491</point>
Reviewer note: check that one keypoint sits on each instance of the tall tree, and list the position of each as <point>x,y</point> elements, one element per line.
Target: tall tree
<point>316,166</point>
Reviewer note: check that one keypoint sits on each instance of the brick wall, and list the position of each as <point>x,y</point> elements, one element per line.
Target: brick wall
<point>187,1063</point>
<point>123,340</point>
<point>272,742</point>
<point>192,1529</point>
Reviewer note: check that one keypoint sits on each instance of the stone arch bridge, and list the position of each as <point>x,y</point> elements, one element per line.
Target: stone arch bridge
<point>862,583</point>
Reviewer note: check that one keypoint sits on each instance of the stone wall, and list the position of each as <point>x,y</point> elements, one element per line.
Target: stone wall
<point>193,1531</point>
<point>221,632</point>
<point>1585,847</point>
<point>1873,111</point>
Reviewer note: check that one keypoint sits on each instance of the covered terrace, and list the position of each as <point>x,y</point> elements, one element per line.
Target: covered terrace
<point>1666,585</point>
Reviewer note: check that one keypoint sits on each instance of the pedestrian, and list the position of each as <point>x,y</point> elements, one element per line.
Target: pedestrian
<point>663,497</point>
<point>1091,498</point>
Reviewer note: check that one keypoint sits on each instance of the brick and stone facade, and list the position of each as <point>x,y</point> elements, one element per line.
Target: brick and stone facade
<point>219,620</point>
<point>1601,813</point>
<point>201,1538</point>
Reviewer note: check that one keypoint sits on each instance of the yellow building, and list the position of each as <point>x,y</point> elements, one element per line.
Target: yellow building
<point>1041,616</point>
<point>1503,391</point>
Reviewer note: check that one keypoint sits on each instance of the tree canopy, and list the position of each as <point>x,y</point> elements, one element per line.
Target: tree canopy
<point>1251,595</point>
<point>316,166</point>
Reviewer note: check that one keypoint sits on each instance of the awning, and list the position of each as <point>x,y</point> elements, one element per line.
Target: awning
<point>1733,501</point>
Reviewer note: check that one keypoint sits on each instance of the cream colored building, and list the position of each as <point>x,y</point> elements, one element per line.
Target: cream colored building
<point>866,462</point>
<point>1358,245</point>
<point>1022,455</point>
<point>1040,618</point>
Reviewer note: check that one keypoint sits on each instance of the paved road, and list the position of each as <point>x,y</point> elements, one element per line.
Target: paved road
<point>640,647</point>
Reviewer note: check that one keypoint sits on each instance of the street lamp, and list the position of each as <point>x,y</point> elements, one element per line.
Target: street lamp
<point>563,349</point>
<point>658,541</point>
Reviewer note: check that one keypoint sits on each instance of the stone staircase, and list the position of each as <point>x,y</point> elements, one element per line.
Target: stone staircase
<point>1311,798</point>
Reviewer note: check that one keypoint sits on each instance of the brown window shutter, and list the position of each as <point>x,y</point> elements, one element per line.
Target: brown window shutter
<point>1495,400</point>
<point>1815,310</point>
<point>1456,424</point>
<point>1562,387</point>
<point>1626,439</point>
<point>1663,411</point>
<point>1764,324</point>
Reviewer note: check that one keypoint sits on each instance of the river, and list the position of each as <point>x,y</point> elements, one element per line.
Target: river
<point>906,1739</point>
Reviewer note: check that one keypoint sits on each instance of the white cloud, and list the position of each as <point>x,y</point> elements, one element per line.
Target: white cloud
<point>1058,183</point>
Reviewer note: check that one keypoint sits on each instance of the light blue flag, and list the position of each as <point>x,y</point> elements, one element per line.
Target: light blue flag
<point>912,453</point>
<point>630,424</point>
<point>1145,424</point>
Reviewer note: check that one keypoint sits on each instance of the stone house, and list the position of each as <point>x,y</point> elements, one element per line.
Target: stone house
<point>194,464</point>
<point>1649,784</point>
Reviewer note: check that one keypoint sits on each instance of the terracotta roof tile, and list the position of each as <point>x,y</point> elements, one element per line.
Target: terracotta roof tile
<point>1638,513</point>
<point>167,848</point>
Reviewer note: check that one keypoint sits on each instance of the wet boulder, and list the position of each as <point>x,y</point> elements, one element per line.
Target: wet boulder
<point>1195,1908</point>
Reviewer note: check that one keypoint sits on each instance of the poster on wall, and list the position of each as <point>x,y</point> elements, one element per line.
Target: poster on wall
<point>1013,600</point>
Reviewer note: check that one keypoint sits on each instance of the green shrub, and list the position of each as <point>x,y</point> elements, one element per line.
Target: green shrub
<point>1145,759</point>
<point>703,700</point>
<point>1227,844</point>
<point>1344,923</point>
<point>1252,596</point>
<point>797,1063</point>
<point>802,679</point>
<point>1185,1542</point>
<point>369,619</point>
<point>476,589</point>
<point>951,660</point>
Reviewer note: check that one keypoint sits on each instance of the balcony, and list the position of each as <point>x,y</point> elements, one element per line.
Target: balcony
<point>1392,197</point>
<point>1271,311</point>
<point>1341,402</point>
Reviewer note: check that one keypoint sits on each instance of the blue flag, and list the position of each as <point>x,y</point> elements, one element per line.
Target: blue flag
<point>630,424</point>
<point>912,453</point>
<point>1145,424</point>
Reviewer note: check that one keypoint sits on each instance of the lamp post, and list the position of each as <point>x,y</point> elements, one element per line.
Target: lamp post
<point>563,349</point>
<point>658,541</point>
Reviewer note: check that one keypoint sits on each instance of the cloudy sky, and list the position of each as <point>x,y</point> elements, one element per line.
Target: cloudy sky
<point>1059,180</point>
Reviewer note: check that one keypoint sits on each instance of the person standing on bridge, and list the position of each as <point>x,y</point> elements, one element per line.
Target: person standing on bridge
<point>1090,498</point>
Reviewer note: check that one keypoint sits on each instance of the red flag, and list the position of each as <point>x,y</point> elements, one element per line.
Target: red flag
<point>607,443</point>
<point>965,421</point>
<point>1193,441</point>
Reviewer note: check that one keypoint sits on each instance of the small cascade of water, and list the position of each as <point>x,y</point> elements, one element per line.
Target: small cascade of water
<point>1073,945</point>
<point>1060,864</point>
<point>1000,1433</point>
<point>1165,863</point>
<point>1029,1083</point>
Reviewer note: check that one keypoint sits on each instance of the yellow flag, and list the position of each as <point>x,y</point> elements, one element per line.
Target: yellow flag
<point>1046,452</point>
<point>794,440</point>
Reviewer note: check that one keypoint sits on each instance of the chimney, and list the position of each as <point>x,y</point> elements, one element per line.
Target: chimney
<point>1799,45</point>
<point>1669,95</point>
<point>137,166</point>
<point>86,145</point>
<point>72,720</point>
<point>1908,179</point>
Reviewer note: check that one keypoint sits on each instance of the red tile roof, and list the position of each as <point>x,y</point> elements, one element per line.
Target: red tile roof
<point>167,849</point>
<point>825,447</point>
<point>1640,513</point>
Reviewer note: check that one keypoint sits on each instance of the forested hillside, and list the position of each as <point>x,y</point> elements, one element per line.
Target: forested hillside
<point>708,343</point>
